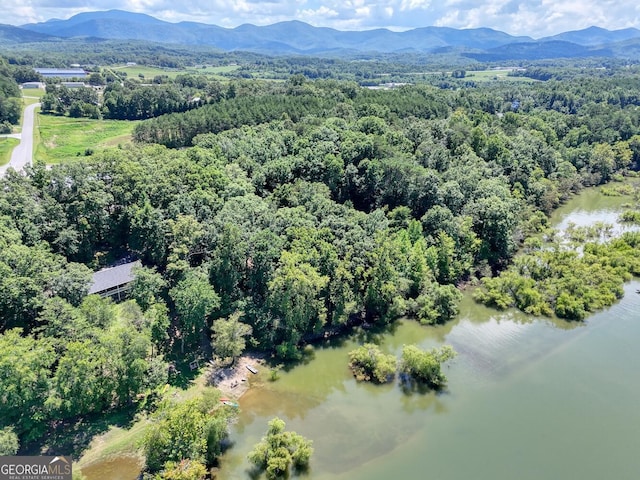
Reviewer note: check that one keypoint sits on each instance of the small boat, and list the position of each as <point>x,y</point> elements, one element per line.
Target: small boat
<point>251,369</point>
<point>229,403</point>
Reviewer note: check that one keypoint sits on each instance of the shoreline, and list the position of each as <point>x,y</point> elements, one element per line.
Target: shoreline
<point>235,380</point>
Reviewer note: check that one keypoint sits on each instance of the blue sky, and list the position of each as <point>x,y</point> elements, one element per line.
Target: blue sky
<point>536,18</point>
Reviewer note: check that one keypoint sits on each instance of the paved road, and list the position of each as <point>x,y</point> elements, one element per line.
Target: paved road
<point>23,154</point>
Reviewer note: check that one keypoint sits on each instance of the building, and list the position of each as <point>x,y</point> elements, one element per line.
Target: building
<point>73,84</point>
<point>114,282</point>
<point>61,72</point>
<point>33,85</point>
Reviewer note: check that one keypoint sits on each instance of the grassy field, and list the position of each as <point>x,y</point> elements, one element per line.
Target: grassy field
<point>58,139</point>
<point>6,147</point>
<point>493,75</point>
<point>214,72</point>
<point>116,441</point>
<point>134,71</point>
<point>32,95</point>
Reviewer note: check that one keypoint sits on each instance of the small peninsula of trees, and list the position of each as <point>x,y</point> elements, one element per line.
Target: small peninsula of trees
<point>554,278</point>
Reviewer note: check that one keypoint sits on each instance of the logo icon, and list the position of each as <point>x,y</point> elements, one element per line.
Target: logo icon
<point>35,468</point>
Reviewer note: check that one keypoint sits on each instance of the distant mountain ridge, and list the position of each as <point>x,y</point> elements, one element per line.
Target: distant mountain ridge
<point>594,36</point>
<point>284,37</point>
<point>12,34</point>
<point>295,37</point>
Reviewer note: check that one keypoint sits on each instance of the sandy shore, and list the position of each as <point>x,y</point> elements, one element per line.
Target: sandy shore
<point>234,381</point>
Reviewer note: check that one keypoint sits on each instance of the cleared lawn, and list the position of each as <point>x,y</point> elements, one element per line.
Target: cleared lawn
<point>34,94</point>
<point>134,71</point>
<point>495,75</point>
<point>214,72</point>
<point>59,139</point>
<point>6,147</point>
<point>115,442</point>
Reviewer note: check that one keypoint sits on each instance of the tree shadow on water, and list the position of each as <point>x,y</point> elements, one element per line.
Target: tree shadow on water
<point>410,386</point>
<point>373,332</point>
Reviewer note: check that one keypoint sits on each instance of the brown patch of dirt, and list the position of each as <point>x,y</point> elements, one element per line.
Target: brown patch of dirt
<point>233,380</point>
<point>51,143</point>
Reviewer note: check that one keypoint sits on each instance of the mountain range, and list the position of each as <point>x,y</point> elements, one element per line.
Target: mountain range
<point>294,37</point>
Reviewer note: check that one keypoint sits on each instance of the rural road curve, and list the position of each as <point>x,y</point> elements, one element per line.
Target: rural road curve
<point>22,155</point>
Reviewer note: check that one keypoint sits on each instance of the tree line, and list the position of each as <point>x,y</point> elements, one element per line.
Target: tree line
<point>10,103</point>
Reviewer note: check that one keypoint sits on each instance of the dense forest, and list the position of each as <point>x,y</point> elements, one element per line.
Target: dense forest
<point>130,99</point>
<point>295,209</point>
<point>10,104</point>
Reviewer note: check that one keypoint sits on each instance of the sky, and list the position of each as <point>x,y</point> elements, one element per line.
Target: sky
<point>535,18</point>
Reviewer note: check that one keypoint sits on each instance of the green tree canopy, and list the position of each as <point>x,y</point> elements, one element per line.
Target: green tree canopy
<point>228,338</point>
<point>279,450</point>
<point>426,366</point>
<point>194,300</point>
<point>368,363</point>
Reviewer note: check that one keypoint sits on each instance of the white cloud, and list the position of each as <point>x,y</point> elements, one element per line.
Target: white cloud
<point>536,18</point>
<point>312,16</point>
<point>414,5</point>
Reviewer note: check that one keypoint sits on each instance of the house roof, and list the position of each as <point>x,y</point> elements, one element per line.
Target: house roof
<point>112,277</point>
<point>61,71</point>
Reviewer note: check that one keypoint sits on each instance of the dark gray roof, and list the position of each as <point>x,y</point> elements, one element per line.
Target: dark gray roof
<point>112,277</point>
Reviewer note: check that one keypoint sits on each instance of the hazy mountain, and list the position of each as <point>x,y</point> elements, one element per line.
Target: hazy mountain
<point>294,37</point>
<point>10,34</point>
<point>283,37</point>
<point>594,36</point>
<point>538,51</point>
<point>629,49</point>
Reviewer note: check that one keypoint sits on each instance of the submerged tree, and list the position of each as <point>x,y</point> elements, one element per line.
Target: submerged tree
<point>279,449</point>
<point>368,363</point>
<point>426,366</point>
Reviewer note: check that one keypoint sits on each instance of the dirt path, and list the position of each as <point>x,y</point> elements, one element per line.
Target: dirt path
<point>234,381</point>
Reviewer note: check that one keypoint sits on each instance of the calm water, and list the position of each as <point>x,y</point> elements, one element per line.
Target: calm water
<point>527,398</point>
